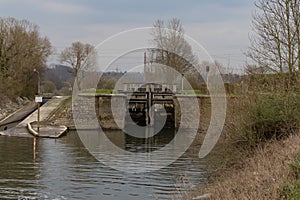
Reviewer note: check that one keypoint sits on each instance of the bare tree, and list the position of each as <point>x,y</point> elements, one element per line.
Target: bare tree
<point>22,50</point>
<point>171,50</point>
<point>171,47</point>
<point>275,45</point>
<point>79,56</point>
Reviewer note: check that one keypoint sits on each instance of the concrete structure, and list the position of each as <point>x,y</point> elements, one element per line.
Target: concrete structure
<point>92,110</point>
<point>46,131</point>
<point>48,109</point>
<point>45,111</point>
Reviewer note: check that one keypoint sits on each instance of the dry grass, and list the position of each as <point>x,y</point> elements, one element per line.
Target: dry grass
<point>262,176</point>
<point>261,137</point>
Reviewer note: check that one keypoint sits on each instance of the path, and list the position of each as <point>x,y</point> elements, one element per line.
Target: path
<point>45,111</point>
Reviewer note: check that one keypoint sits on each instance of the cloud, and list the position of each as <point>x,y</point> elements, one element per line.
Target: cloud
<point>47,6</point>
<point>220,25</point>
<point>224,41</point>
<point>64,8</point>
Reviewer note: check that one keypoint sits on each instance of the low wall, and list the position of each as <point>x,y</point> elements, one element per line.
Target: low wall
<point>92,110</point>
<point>189,106</point>
<point>107,119</point>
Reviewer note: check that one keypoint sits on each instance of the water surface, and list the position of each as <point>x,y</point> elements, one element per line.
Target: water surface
<point>63,169</point>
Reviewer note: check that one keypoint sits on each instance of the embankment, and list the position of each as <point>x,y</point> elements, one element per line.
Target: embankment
<point>259,157</point>
<point>8,106</point>
<point>263,173</point>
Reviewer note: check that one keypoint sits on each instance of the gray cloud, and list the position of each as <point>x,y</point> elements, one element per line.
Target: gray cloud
<point>221,25</point>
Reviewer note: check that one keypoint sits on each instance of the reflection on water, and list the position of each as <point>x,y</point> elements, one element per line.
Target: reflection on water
<point>64,169</point>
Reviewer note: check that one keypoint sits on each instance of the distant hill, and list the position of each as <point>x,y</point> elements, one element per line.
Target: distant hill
<point>58,74</point>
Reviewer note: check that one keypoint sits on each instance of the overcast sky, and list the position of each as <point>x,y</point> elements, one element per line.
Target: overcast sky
<point>221,26</point>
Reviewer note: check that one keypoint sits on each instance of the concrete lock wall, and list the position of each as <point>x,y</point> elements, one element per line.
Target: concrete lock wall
<point>84,112</point>
<point>185,106</point>
<point>111,111</point>
<point>92,110</point>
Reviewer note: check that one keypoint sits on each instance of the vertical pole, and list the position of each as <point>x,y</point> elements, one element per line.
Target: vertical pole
<point>39,84</point>
<point>151,110</point>
<point>38,118</point>
<point>182,75</point>
<point>38,95</point>
<point>207,71</point>
<point>147,107</point>
<point>145,62</point>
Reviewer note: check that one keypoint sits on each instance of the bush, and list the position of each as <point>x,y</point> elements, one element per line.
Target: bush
<point>273,116</point>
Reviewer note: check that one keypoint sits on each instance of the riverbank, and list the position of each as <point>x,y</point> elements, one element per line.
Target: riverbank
<point>258,155</point>
<point>63,115</point>
<point>9,106</point>
<point>266,172</point>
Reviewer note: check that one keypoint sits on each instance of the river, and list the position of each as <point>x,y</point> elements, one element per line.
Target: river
<point>63,169</point>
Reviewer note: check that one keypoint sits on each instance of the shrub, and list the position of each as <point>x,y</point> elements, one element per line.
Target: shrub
<point>273,115</point>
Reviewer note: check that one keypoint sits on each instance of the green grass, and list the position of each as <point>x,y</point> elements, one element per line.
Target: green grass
<point>295,167</point>
<point>273,116</point>
<point>100,91</point>
<point>105,91</point>
<point>291,189</point>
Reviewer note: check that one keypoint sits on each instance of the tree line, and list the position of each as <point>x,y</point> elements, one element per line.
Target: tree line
<point>274,47</point>
<point>22,50</point>
<point>275,44</point>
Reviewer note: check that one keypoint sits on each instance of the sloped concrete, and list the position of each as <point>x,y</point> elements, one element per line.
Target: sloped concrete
<point>47,109</point>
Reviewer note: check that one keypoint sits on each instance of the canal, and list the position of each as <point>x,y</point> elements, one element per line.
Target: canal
<point>63,169</point>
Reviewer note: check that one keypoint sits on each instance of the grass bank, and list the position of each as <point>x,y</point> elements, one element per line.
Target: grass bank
<point>264,173</point>
<point>99,91</point>
<point>259,157</point>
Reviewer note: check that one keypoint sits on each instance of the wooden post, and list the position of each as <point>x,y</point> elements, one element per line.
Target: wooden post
<point>38,100</point>
<point>182,75</point>
<point>38,118</point>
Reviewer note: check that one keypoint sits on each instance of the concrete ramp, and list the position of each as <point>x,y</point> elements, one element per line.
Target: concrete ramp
<point>46,110</point>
